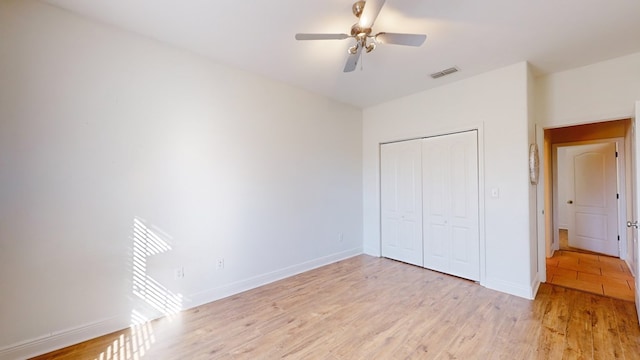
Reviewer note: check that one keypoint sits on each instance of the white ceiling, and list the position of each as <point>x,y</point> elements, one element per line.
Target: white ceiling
<point>474,35</point>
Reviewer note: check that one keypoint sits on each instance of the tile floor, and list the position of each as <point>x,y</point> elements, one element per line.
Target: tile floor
<point>593,273</point>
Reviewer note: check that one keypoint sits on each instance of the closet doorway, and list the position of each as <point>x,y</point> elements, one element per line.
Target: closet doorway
<point>430,204</point>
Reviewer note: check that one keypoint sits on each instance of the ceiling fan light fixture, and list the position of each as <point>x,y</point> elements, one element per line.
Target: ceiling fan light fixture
<point>370,47</point>
<point>357,8</point>
<point>353,50</point>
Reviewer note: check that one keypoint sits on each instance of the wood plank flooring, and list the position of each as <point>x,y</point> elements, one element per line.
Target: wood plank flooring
<point>599,274</point>
<point>372,308</point>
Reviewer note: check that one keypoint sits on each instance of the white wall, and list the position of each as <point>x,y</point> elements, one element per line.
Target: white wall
<point>99,127</point>
<point>497,103</point>
<point>603,91</point>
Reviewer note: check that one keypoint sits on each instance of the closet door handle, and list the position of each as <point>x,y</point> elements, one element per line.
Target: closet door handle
<point>570,202</point>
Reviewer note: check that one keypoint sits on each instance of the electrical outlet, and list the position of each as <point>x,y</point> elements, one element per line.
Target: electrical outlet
<point>340,237</point>
<point>220,264</point>
<point>179,273</point>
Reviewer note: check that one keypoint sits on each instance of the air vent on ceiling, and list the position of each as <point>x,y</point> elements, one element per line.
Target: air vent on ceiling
<point>444,72</point>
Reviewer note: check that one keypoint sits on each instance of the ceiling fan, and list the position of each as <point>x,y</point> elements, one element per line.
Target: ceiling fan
<point>366,12</point>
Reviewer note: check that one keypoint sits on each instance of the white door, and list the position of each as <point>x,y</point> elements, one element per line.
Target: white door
<point>636,202</point>
<point>593,206</point>
<point>450,204</point>
<point>401,201</point>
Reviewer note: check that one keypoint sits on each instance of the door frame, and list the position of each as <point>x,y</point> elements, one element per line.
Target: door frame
<point>544,206</point>
<point>621,182</point>
<point>479,127</point>
<point>636,198</point>
<point>546,221</point>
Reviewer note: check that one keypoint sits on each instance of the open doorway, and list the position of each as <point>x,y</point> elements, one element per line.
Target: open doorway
<point>580,159</point>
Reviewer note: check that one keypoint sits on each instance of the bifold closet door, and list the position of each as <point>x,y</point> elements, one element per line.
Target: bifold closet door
<point>401,201</point>
<point>450,204</point>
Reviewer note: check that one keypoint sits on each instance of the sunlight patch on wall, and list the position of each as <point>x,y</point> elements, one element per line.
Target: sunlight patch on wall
<point>140,337</point>
<point>145,244</point>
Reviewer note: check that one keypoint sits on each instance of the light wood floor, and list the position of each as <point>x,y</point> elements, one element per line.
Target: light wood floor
<point>372,308</point>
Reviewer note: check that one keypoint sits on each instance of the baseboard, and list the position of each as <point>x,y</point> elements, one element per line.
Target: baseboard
<point>510,288</point>
<point>221,292</point>
<point>626,261</point>
<point>61,339</point>
<point>535,286</point>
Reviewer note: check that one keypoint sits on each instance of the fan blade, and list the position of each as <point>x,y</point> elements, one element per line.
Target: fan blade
<point>352,60</point>
<point>370,13</point>
<point>401,39</point>
<point>321,36</point>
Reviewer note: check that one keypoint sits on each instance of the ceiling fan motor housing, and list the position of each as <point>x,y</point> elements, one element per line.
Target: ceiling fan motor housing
<point>358,31</point>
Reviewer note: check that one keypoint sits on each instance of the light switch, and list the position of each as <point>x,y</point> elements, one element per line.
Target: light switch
<point>495,193</point>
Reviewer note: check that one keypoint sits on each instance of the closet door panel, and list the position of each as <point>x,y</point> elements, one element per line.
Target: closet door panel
<point>436,200</point>
<point>465,211</point>
<point>436,249</point>
<point>401,201</point>
<point>450,204</point>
